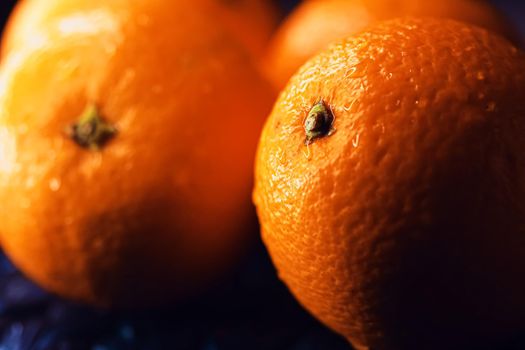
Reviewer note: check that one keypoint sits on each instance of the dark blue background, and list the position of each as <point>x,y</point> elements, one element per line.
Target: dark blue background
<point>249,310</point>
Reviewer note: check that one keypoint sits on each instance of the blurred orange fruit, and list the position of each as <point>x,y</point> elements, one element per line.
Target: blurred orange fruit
<point>252,22</point>
<point>390,186</point>
<point>316,23</point>
<point>126,151</point>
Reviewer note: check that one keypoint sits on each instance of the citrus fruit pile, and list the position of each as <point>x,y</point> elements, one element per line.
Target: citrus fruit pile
<point>389,176</point>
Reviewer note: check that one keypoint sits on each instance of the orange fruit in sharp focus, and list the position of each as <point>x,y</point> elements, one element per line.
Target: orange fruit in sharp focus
<point>252,22</point>
<point>390,186</point>
<point>315,24</point>
<point>126,152</point>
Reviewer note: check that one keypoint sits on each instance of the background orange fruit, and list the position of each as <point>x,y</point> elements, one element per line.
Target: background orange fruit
<point>162,207</point>
<point>400,225</point>
<point>250,21</point>
<point>314,24</point>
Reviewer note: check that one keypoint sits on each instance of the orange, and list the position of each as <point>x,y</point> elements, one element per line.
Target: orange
<point>390,186</point>
<point>126,152</point>
<point>316,23</point>
<point>251,21</point>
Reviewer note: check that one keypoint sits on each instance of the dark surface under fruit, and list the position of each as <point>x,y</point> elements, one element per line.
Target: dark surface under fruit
<point>250,309</point>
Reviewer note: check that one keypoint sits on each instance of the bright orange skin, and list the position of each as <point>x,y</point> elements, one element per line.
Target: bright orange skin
<point>163,207</point>
<point>315,24</point>
<point>404,228</point>
<point>252,22</point>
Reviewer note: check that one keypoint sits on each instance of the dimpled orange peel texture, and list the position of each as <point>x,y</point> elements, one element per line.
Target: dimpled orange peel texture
<point>390,186</point>
<point>315,24</point>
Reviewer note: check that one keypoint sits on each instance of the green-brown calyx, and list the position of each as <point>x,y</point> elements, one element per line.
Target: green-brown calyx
<point>318,123</point>
<point>91,130</point>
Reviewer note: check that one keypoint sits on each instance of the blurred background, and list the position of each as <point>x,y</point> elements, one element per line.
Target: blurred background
<point>251,309</point>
